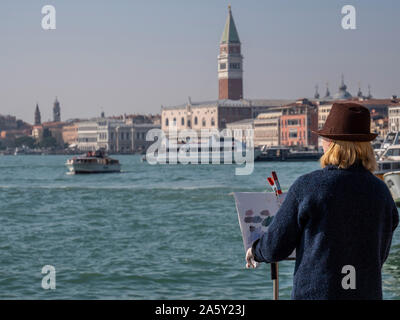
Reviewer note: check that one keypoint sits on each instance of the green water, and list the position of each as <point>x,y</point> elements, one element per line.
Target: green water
<point>150,232</point>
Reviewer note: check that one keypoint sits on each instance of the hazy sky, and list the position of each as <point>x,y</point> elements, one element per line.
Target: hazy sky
<point>134,56</point>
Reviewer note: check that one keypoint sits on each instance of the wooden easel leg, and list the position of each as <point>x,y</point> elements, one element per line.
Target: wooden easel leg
<point>275,280</point>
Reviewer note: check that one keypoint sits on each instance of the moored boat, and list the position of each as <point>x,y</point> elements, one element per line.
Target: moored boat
<point>93,162</point>
<point>283,153</point>
<point>392,180</point>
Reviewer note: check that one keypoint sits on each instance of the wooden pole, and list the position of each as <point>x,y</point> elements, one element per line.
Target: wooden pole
<point>274,182</point>
<point>275,280</point>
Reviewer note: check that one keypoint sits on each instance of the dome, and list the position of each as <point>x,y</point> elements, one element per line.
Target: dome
<point>342,94</point>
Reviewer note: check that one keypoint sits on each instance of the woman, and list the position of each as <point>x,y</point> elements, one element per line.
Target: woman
<point>340,219</point>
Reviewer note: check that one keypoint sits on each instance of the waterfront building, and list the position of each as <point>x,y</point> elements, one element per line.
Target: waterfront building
<point>297,121</point>
<point>267,128</point>
<point>114,135</point>
<point>56,111</point>
<point>213,114</point>
<point>70,134</point>
<point>394,117</point>
<point>37,132</point>
<point>38,120</point>
<point>240,129</point>
<point>87,135</point>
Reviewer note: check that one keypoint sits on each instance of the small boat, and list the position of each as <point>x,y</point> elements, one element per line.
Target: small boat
<point>93,162</point>
<point>392,180</point>
<point>283,153</point>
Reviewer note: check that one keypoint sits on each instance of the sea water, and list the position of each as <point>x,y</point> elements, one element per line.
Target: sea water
<point>150,232</point>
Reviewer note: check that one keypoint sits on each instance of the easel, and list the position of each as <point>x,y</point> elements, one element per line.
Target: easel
<point>275,280</point>
<point>275,185</point>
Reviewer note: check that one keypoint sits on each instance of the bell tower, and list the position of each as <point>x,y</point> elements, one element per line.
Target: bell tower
<point>56,111</point>
<point>230,62</point>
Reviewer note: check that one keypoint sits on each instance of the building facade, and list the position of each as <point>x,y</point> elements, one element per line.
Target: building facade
<point>70,134</point>
<point>242,130</point>
<point>394,117</point>
<point>267,128</point>
<point>113,135</point>
<point>297,122</point>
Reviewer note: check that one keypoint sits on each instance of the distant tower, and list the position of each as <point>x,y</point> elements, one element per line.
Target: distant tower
<point>230,62</point>
<point>327,93</point>
<point>359,93</point>
<point>37,116</point>
<point>369,92</point>
<point>56,111</point>
<point>316,95</point>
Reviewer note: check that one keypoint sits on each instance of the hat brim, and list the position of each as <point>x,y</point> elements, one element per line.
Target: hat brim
<point>347,137</point>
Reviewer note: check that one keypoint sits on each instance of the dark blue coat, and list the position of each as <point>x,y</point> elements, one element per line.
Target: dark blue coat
<point>333,217</point>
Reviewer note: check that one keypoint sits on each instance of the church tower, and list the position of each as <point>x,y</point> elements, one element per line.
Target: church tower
<point>38,120</point>
<point>230,62</point>
<point>56,111</point>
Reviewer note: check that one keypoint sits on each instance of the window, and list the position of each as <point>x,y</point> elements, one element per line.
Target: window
<point>293,133</point>
<point>292,122</point>
<point>174,122</point>
<point>166,122</point>
<point>212,122</point>
<point>195,120</point>
<point>234,65</point>
<point>203,122</point>
<point>183,121</point>
<point>222,66</point>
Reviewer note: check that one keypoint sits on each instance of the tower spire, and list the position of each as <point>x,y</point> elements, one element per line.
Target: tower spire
<point>327,93</point>
<point>359,93</point>
<point>230,34</point>
<point>369,92</point>
<point>316,95</point>
<point>37,115</point>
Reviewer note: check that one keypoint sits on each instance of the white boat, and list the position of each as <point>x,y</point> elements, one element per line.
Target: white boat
<point>93,162</point>
<point>389,156</point>
<point>386,166</point>
<point>380,147</point>
<point>213,151</point>
<point>392,180</point>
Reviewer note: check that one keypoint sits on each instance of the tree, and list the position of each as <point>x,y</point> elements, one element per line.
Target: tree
<point>48,142</point>
<point>25,141</point>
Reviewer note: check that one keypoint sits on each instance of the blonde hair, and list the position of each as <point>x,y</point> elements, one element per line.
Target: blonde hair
<point>345,153</point>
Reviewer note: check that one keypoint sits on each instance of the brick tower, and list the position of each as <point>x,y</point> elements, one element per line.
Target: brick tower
<point>230,62</point>
<point>56,111</point>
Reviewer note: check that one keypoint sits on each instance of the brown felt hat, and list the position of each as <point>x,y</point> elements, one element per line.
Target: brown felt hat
<point>349,122</point>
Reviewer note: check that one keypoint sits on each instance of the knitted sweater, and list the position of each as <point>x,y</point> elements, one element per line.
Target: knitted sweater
<point>333,218</point>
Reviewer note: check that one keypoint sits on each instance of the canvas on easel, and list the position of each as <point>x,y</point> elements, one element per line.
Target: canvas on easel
<point>256,211</point>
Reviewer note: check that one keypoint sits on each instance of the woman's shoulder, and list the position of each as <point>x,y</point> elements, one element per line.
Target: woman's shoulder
<point>308,180</point>
<point>329,177</point>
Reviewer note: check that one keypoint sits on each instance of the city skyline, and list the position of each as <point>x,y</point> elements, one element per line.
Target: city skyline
<point>160,54</point>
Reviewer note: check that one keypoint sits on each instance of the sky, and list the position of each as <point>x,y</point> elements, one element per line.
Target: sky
<point>134,56</point>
